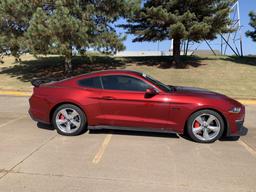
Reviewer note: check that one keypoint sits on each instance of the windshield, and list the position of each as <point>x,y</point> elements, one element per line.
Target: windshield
<point>159,84</point>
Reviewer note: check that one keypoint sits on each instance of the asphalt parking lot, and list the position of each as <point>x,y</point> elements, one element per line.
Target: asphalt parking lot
<point>35,158</point>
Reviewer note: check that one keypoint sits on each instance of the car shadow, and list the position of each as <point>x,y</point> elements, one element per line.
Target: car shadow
<point>233,138</point>
<point>116,132</point>
<point>186,137</point>
<point>134,133</point>
<point>45,126</point>
<point>222,139</point>
<point>139,133</point>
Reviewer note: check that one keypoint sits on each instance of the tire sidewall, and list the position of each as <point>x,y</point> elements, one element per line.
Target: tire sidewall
<point>82,115</point>
<point>196,114</point>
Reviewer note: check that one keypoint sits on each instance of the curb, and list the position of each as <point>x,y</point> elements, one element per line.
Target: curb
<point>15,93</point>
<point>28,94</point>
<point>247,101</point>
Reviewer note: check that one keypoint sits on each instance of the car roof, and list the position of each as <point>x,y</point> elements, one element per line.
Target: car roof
<point>115,71</point>
<point>108,72</point>
<point>99,73</point>
<point>66,81</point>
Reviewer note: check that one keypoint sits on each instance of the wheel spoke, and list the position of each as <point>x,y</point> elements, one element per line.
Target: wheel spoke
<point>206,134</point>
<point>75,123</point>
<point>214,128</point>
<point>68,127</point>
<point>64,112</point>
<point>73,114</point>
<point>210,119</point>
<point>61,121</point>
<point>199,120</point>
<point>197,130</point>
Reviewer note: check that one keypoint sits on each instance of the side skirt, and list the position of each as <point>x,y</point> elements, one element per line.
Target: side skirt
<point>156,130</point>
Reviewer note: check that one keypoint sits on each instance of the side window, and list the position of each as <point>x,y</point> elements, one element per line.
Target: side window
<point>123,82</point>
<point>93,82</point>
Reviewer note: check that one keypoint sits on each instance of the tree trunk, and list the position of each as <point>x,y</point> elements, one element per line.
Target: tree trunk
<point>68,65</point>
<point>176,52</point>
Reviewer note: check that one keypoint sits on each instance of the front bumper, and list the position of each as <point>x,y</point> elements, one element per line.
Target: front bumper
<point>240,129</point>
<point>235,122</point>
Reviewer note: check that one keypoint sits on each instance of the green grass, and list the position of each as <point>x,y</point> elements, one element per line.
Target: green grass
<point>233,76</point>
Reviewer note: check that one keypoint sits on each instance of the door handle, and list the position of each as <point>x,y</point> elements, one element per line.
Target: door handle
<point>107,98</point>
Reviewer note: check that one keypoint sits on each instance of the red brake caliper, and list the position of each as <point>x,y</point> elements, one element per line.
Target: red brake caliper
<point>196,124</point>
<point>62,117</point>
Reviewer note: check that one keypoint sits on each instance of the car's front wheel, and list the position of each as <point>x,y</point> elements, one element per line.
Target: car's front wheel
<point>69,120</point>
<point>205,126</point>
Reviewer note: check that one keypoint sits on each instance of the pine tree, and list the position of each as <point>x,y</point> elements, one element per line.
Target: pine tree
<point>61,27</point>
<point>14,21</point>
<point>192,20</point>
<point>252,23</point>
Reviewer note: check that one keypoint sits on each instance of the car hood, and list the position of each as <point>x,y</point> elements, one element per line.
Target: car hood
<point>204,93</point>
<point>198,92</point>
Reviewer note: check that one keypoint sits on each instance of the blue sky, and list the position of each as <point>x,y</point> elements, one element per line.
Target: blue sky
<point>249,47</point>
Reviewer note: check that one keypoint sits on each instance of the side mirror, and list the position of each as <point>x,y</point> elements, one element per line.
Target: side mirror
<point>150,92</point>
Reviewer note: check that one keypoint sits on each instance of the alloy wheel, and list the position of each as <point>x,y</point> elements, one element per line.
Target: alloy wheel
<point>206,127</point>
<point>68,120</point>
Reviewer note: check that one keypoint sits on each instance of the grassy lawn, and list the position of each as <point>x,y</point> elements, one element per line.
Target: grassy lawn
<point>235,77</point>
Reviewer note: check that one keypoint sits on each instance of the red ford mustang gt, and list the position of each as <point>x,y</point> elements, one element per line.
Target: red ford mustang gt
<point>130,100</point>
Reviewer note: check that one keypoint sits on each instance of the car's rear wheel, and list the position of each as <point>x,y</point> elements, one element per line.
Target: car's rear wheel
<point>205,126</point>
<point>69,120</point>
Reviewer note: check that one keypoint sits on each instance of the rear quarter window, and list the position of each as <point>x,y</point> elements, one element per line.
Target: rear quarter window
<point>93,82</point>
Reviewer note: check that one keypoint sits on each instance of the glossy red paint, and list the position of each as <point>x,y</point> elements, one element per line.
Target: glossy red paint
<point>163,111</point>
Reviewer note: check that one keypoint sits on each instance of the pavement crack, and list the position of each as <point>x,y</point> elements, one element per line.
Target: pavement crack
<point>3,170</point>
<point>94,178</point>
<point>12,121</point>
<point>29,155</point>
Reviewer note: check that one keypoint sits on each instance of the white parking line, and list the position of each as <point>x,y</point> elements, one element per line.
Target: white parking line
<point>247,147</point>
<point>102,149</point>
<point>12,121</point>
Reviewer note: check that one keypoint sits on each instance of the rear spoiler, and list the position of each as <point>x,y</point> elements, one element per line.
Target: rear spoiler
<point>38,82</point>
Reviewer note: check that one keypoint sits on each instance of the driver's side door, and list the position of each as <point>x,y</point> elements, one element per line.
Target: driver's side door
<point>123,104</point>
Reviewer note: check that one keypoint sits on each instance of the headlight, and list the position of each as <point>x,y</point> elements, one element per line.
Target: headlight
<point>235,110</point>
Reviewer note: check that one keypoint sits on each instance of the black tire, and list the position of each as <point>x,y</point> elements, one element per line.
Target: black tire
<point>216,136</point>
<point>82,120</point>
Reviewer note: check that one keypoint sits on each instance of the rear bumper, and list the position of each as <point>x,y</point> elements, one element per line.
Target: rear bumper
<point>39,109</point>
<point>36,118</point>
